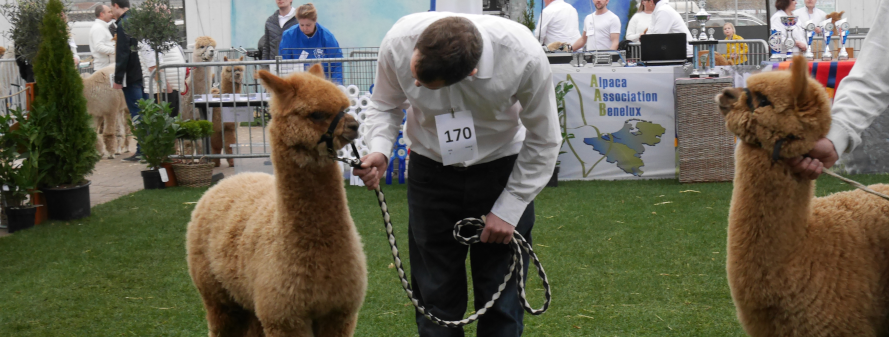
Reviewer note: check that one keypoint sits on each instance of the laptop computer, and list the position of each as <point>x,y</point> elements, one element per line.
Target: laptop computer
<point>663,49</point>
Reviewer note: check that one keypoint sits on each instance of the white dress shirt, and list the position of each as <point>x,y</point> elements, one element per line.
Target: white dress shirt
<point>638,24</point>
<point>666,20</point>
<point>511,99</point>
<point>864,94</point>
<point>803,16</point>
<point>598,28</point>
<point>101,45</point>
<point>798,34</point>
<point>558,23</point>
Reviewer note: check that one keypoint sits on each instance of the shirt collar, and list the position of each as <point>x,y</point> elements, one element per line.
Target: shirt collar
<point>486,63</point>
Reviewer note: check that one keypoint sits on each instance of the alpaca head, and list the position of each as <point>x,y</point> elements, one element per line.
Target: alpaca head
<point>204,49</point>
<point>779,107</point>
<point>303,106</point>
<point>233,74</point>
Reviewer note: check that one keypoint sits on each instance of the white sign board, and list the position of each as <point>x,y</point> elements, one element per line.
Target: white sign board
<point>620,123</point>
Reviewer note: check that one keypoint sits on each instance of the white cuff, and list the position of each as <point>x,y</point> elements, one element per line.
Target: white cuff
<point>840,138</point>
<point>381,145</point>
<point>509,208</point>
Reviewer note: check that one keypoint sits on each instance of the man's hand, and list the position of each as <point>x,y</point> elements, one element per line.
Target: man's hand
<point>817,30</point>
<point>801,45</point>
<point>117,86</point>
<point>823,156</point>
<point>373,166</point>
<point>169,89</point>
<point>496,230</point>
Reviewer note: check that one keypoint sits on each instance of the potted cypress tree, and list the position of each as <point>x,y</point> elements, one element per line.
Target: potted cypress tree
<point>20,142</point>
<point>156,132</point>
<point>69,140</point>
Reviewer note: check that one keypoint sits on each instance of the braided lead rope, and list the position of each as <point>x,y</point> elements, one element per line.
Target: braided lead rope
<point>856,184</point>
<point>518,243</point>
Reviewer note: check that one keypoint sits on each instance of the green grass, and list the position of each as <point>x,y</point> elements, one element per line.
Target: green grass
<point>621,261</point>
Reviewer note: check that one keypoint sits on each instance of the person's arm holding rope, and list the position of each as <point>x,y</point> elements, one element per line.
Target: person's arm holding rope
<point>861,98</point>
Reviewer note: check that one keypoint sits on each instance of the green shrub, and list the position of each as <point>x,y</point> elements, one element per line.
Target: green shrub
<point>20,150</point>
<point>155,131</point>
<point>69,138</point>
<point>25,18</point>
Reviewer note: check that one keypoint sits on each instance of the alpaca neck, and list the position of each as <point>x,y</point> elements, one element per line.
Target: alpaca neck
<point>228,88</point>
<point>310,199</point>
<point>770,207</point>
<point>199,80</point>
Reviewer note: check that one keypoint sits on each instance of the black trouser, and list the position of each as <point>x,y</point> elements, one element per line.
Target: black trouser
<point>173,99</point>
<point>438,197</point>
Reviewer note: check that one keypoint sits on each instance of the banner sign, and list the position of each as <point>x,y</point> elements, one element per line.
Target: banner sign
<point>620,123</point>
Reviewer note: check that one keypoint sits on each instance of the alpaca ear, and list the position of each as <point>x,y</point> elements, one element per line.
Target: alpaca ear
<point>317,70</point>
<point>273,83</point>
<point>799,79</point>
<point>225,58</point>
<point>241,58</point>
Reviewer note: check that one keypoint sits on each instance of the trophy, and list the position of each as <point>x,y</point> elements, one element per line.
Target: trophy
<point>828,33</point>
<point>843,28</point>
<point>694,32</point>
<point>711,31</point>
<point>789,23</point>
<point>810,33</point>
<point>702,17</point>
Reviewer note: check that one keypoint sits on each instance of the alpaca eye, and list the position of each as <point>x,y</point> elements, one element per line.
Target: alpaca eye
<point>318,115</point>
<point>764,101</point>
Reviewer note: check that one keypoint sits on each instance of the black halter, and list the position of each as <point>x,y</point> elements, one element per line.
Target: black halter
<point>327,137</point>
<point>763,100</point>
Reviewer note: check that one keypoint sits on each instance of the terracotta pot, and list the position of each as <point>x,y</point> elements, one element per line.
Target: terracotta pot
<point>171,182</point>
<point>38,200</point>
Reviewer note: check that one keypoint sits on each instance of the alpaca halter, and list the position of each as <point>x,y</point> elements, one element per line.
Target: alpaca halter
<point>518,244</point>
<point>327,137</point>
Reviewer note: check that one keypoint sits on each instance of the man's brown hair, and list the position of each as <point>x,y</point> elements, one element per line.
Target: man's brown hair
<point>307,11</point>
<point>99,9</point>
<point>449,49</point>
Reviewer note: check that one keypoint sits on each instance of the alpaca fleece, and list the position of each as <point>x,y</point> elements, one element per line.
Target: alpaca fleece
<point>279,255</point>
<point>798,265</point>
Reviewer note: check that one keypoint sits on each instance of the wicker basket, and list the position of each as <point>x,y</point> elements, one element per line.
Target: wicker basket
<point>706,147</point>
<point>194,175</point>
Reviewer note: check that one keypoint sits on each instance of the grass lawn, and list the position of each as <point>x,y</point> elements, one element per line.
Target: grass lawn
<point>627,258</point>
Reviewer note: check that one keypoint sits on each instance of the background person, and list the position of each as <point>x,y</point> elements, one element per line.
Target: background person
<point>798,34</point>
<point>275,26</point>
<point>603,25</point>
<point>665,20</point>
<point>495,76</point>
<point>310,40</point>
<point>735,52</point>
<point>558,23</point>
<point>861,97</point>
<point>127,68</point>
<point>101,44</point>
<point>640,21</point>
<point>810,13</point>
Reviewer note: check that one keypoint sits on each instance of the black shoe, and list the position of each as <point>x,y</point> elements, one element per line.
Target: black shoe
<point>134,158</point>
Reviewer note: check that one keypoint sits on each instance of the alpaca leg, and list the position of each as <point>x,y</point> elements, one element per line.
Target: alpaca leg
<point>99,122</point>
<point>294,327</point>
<point>229,320</point>
<point>336,325</point>
<point>216,138</point>
<point>229,132</point>
<point>109,133</point>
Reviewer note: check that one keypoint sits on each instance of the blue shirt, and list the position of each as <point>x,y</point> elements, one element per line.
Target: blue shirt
<point>322,44</point>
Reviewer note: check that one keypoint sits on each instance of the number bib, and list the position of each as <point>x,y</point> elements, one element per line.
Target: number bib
<point>456,137</point>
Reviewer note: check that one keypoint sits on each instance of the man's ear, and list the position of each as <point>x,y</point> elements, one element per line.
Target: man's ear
<point>474,71</point>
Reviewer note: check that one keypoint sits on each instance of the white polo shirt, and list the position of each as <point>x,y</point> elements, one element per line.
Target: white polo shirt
<point>666,20</point>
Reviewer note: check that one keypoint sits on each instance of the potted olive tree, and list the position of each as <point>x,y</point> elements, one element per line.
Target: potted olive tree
<point>156,132</point>
<point>25,19</point>
<point>153,24</point>
<point>69,139</point>
<point>20,142</point>
<point>193,173</point>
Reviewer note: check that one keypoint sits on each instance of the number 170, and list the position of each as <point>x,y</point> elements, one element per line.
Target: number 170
<point>465,132</point>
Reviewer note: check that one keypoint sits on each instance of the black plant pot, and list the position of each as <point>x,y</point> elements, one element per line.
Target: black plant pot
<point>20,218</point>
<point>554,179</point>
<point>68,203</point>
<point>151,179</point>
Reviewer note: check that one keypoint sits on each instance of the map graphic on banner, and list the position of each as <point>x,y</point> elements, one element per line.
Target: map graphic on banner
<point>618,125</point>
<point>626,146</point>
